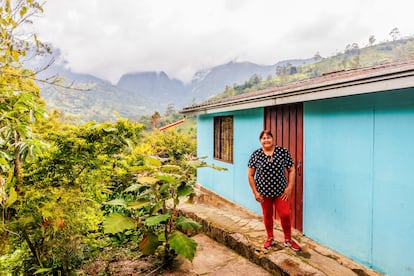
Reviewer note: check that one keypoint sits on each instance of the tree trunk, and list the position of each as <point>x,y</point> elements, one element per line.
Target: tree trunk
<point>17,163</point>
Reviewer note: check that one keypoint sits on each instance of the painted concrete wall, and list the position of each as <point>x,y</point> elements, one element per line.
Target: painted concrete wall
<point>232,183</point>
<point>359,180</point>
<point>358,176</point>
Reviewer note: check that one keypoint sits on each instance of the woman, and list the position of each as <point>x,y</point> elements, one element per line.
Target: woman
<point>267,177</point>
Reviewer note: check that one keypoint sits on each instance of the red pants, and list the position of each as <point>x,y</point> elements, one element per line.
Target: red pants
<point>271,206</point>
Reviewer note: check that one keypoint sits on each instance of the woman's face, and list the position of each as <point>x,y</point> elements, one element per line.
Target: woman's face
<point>266,141</point>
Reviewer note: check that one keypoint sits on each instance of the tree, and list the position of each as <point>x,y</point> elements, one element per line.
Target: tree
<point>317,56</point>
<point>170,110</point>
<point>155,120</point>
<point>352,49</point>
<point>395,34</point>
<point>371,40</point>
<point>14,16</point>
<point>19,110</point>
<point>60,214</point>
<point>255,79</point>
<point>20,103</point>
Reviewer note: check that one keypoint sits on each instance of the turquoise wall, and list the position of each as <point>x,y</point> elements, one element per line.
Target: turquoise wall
<point>358,178</point>
<point>232,183</point>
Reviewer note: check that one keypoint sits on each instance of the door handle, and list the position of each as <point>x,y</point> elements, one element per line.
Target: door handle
<point>299,168</point>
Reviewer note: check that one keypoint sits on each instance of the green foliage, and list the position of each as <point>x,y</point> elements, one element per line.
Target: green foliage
<point>183,245</point>
<point>155,197</point>
<point>20,108</point>
<point>55,177</point>
<point>14,15</point>
<point>170,144</point>
<point>156,120</point>
<point>83,106</point>
<point>184,223</point>
<point>58,211</point>
<point>115,223</point>
<point>149,243</point>
<point>91,152</point>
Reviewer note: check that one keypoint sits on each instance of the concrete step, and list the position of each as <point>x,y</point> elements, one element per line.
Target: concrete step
<point>243,231</point>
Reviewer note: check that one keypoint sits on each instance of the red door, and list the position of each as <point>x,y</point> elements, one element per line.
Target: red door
<point>286,124</point>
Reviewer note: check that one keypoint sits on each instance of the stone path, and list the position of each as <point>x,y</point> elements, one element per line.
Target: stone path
<point>242,231</point>
<point>213,258</point>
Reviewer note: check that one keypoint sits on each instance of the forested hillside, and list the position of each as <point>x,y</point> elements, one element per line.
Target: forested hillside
<point>352,57</point>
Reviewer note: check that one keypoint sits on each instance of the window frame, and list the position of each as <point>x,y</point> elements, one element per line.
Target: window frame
<point>223,148</point>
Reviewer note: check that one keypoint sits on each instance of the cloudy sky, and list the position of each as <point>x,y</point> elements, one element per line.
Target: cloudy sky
<point>108,38</point>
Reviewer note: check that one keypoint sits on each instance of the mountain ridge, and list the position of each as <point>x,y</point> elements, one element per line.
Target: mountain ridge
<point>138,94</point>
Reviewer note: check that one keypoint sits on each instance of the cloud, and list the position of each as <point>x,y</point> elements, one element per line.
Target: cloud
<point>109,38</point>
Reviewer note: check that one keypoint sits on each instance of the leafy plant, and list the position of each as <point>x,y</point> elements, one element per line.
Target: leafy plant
<point>57,213</point>
<point>152,208</point>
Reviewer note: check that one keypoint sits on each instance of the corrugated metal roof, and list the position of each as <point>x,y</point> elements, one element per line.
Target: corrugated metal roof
<point>390,76</point>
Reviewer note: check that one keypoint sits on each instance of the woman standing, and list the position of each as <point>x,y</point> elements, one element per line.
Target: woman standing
<point>267,177</point>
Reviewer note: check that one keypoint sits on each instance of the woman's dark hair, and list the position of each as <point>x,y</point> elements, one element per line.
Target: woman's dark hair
<point>267,132</point>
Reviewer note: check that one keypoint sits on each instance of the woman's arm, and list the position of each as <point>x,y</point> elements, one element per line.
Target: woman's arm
<point>291,183</point>
<point>250,175</point>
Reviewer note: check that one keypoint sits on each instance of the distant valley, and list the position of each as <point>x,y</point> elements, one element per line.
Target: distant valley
<point>143,93</point>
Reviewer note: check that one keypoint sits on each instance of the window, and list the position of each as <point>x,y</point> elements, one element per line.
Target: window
<point>223,138</point>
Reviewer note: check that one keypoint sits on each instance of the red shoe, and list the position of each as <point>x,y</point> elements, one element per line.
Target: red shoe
<point>292,244</point>
<point>268,243</point>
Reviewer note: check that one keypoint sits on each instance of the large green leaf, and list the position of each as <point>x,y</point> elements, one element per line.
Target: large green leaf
<point>197,164</point>
<point>218,168</point>
<point>42,270</point>
<point>157,207</point>
<point>171,169</point>
<point>152,161</point>
<point>183,245</point>
<point>149,243</point>
<point>138,204</point>
<point>187,224</point>
<point>164,188</point>
<point>157,219</point>
<point>116,202</point>
<point>12,197</point>
<point>115,223</point>
<point>147,180</point>
<point>110,129</point>
<point>184,190</point>
<point>133,188</point>
<point>169,178</point>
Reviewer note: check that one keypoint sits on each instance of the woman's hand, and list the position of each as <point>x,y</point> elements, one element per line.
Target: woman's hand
<point>258,197</point>
<point>286,193</point>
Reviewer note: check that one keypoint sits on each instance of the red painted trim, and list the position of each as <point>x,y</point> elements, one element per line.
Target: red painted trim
<point>171,125</point>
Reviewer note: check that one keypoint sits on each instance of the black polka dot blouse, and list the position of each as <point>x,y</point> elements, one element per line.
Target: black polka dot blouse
<point>270,175</point>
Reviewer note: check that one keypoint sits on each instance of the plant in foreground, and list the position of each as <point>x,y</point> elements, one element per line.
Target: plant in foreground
<point>153,209</point>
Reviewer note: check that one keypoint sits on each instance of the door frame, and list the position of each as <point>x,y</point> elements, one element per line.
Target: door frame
<point>286,124</point>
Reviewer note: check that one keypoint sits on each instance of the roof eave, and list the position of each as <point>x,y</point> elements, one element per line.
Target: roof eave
<point>391,80</point>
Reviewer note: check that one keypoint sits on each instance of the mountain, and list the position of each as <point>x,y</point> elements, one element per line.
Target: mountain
<point>157,87</point>
<point>210,82</point>
<point>142,93</point>
<point>91,98</point>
